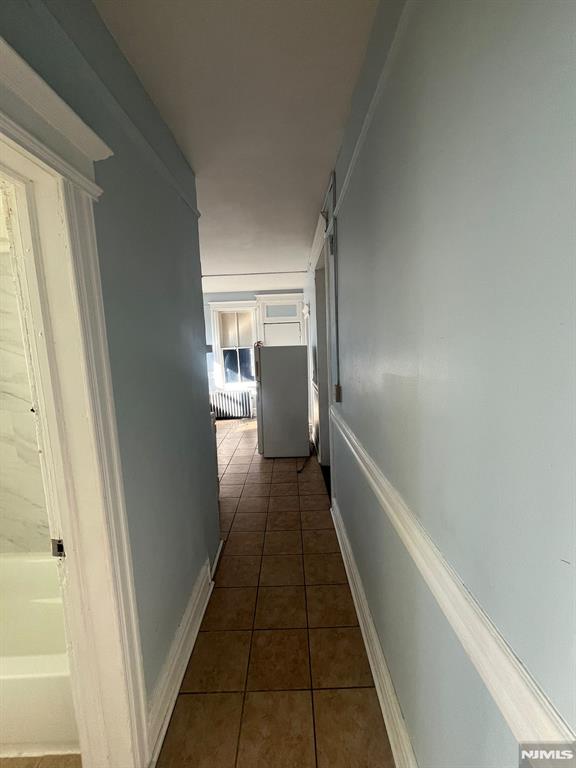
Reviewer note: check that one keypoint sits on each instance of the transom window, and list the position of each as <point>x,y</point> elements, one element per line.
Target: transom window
<point>236,342</point>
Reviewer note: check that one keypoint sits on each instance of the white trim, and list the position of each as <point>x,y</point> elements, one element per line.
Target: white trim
<point>257,281</point>
<point>19,78</point>
<point>19,138</point>
<point>279,298</point>
<point>72,377</point>
<point>214,565</point>
<point>216,307</point>
<point>530,715</point>
<point>317,244</point>
<point>391,712</point>
<point>231,306</point>
<point>264,300</point>
<point>163,699</point>
<point>369,116</point>
<point>91,310</point>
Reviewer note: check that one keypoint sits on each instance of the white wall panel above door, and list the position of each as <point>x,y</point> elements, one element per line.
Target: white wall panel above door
<point>282,334</point>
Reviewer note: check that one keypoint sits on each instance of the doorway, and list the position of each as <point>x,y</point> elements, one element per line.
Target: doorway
<point>57,283</point>
<point>34,660</point>
<point>321,372</point>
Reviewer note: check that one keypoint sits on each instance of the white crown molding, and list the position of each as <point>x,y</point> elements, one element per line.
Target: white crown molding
<point>163,698</point>
<point>21,139</point>
<point>259,281</point>
<point>21,80</point>
<point>529,713</point>
<point>391,712</point>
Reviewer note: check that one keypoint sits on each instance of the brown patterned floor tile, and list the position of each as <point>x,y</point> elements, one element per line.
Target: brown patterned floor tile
<point>249,521</point>
<point>315,519</point>
<point>281,571</point>
<point>283,521</point>
<point>284,504</point>
<point>242,571</point>
<point>315,501</point>
<point>284,489</point>
<point>283,543</point>
<point>330,605</point>
<point>277,730</point>
<point>324,569</point>
<point>339,658</point>
<point>230,608</point>
<point>279,660</point>
<point>350,732</point>
<point>320,542</point>
<point>203,732</point>
<point>218,663</point>
<point>280,607</point>
<point>244,543</point>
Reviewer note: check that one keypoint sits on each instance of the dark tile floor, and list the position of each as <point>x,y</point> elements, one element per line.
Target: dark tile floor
<point>279,675</point>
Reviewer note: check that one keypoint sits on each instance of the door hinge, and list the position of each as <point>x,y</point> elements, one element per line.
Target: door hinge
<point>338,393</point>
<point>58,548</point>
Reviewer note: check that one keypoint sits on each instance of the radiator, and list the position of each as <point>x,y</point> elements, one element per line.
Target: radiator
<point>231,405</point>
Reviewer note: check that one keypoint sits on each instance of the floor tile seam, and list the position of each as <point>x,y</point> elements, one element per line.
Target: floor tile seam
<point>310,667</point>
<point>248,666</point>
<point>279,690</point>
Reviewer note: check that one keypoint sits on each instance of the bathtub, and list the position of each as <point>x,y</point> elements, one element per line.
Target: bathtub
<point>36,711</point>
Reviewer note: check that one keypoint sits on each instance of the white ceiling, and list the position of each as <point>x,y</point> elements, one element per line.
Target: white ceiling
<point>256,93</point>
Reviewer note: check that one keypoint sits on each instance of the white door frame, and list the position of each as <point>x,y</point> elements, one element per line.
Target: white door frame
<point>60,270</point>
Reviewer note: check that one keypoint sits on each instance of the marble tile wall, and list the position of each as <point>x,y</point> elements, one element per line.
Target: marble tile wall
<point>23,519</point>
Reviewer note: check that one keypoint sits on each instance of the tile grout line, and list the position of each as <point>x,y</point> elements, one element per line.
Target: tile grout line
<point>308,636</point>
<point>237,754</point>
<point>304,586</point>
<point>280,690</point>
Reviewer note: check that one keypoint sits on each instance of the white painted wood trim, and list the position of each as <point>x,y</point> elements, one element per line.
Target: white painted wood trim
<point>214,565</point>
<point>317,244</point>
<point>216,307</point>
<point>19,78</point>
<point>529,713</point>
<point>84,252</point>
<point>391,712</point>
<point>264,300</point>
<point>20,138</point>
<point>255,281</point>
<point>163,699</point>
<point>369,116</point>
<point>231,306</point>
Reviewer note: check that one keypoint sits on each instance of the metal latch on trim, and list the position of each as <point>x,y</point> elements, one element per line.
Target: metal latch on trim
<point>58,548</point>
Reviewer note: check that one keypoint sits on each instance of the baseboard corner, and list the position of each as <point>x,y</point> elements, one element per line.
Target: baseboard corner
<point>216,560</point>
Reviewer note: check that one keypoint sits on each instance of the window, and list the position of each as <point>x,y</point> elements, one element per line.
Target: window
<point>236,343</point>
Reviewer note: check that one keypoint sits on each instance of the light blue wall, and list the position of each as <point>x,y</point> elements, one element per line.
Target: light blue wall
<point>149,260</point>
<point>456,248</point>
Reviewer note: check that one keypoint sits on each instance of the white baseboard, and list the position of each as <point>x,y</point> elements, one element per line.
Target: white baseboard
<point>217,558</point>
<point>164,697</point>
<point>530,715</point>
<point>391,712</point>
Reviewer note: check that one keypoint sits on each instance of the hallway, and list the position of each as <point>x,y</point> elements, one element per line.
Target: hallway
<point>279,674</point>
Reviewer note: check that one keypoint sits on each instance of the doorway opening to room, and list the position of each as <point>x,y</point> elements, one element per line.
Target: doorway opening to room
<point>320,374</point>
<point>67,590</point>
<point>35,673</point>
